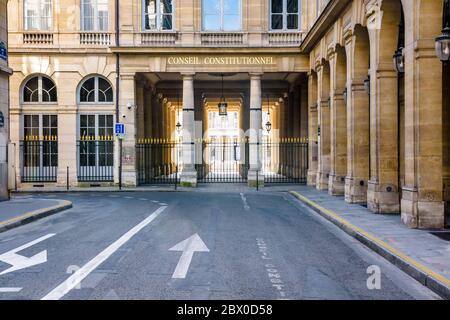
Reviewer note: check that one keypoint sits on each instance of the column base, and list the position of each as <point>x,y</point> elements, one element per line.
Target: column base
<point>188,178</point>
<point>255,178</point>
<point>417,214</point>
<point>312,178</point>
<point>322,181</point>
<point>355,190</point>
<point>383,198</point>
<point>129,178</point>
<point>336,185</point>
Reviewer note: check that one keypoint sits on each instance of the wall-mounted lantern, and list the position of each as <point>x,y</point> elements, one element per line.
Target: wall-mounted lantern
<point>367,85</point>
<point>344,94</point>
<point>443,41</point>
<point>399,56</point>
<point>2,120</point>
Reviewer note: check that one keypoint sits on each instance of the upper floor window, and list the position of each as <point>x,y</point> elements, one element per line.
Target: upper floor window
<point>221,15</point>
<point>157,14</point>
<point>94,90</point>
<point>284,14</point>
<point>39,89</point>
<point>38,15</point>
<point>94,15</point>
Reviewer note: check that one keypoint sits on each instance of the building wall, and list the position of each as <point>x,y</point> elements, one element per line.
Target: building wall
<point>4,74</point>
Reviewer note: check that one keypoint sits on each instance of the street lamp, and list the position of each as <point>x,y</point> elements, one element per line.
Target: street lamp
<point>443,41</point>
<point>223,105</point>
<point>367,84</point>
<point>399,57</point>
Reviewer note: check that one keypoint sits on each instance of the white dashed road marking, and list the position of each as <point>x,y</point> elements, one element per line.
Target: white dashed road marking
<point>244,200</point>
<point>10,290</point>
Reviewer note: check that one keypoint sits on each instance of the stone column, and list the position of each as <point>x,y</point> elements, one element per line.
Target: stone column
<point>189,174</point>
<point>255,130</point>
<point>312,128</point>
<point>148,117</point>
<point>338,124</point>
<point>324,124</point>
<point>128,97</point>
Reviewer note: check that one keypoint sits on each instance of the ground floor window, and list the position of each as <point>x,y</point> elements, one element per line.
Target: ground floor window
<point>96,148</point>
<point>39,148</point>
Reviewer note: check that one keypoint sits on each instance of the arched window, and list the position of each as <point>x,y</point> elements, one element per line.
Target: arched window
<point>95,89</point>
<point>38,15</point>
<point>40,89</point>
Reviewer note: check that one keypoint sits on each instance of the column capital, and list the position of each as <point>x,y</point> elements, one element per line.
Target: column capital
<point>188,75</point>
<point>255,75</point>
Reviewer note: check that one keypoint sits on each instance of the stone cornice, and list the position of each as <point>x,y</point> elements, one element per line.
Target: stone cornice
<point>7,70</point>
<point>329,15</point>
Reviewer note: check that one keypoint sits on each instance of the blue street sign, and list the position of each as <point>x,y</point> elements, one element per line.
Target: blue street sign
<point>3,51</point>
<point>120,130</point>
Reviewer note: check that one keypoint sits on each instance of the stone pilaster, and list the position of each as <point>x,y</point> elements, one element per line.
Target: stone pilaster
<point>357,120</point>
<point>312,128</point>
<point>323,171</point>
<point>128,97</point>
<point>338,124</point>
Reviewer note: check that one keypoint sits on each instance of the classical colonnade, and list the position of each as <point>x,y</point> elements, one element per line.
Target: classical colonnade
<point>377,134</point>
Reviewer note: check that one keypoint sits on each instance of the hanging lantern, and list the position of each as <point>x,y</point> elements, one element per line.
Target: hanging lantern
<point>443,41</point>
<point>223,105</point>
<point>178,125</point>
<point>268,123</point>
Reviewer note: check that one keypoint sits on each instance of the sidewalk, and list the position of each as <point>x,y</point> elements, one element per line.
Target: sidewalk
<point>419,253</point>
<point>22,210</point>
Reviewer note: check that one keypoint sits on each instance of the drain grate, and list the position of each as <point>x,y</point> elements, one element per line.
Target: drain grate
<point>444,235</point>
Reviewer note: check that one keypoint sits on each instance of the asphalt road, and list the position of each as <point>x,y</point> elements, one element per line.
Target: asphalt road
<point>249,246</point>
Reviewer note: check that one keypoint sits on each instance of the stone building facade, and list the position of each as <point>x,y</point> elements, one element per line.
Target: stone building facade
<point>4,99</point>
<point>307,66</point>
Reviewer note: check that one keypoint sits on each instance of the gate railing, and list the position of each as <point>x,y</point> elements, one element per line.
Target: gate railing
<point>39,159</point>
<point>95,159</point>
<point>224,161</point>
<point>158,161</point>
<point>285,160</point>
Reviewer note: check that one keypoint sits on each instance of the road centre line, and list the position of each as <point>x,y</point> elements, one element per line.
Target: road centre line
<point>78,276</point>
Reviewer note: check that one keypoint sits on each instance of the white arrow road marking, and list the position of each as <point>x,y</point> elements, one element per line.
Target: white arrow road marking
<point>10,290</point>
<point>78,276</point>
<point>19,262</point>
<point>188,247</point>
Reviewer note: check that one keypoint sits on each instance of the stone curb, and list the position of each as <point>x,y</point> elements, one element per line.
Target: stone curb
<point>434,281</point>
<point>34,215</point>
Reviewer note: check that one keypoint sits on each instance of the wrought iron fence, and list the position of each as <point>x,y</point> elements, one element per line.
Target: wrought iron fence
<point>39,159</point>
<point>95,159</point>
<point>285,160</point>
<point>158,161</point>
<point>224,161</point>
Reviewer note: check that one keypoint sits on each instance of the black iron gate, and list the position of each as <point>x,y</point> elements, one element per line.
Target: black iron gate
<point>285,161</point>
<point>157,161</point>
<point>224,161</point>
